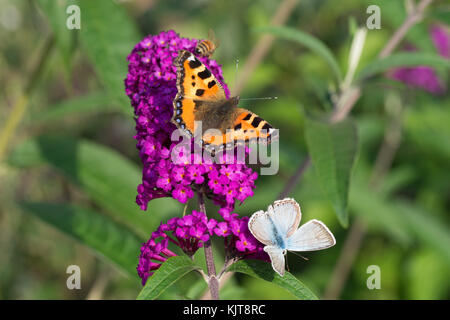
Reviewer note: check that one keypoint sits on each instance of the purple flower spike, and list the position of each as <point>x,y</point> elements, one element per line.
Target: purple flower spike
<point>239,242</point>
<point>425,77</point>
<point>188,233</point>
<point>151,87</point>
<point>441,40</point>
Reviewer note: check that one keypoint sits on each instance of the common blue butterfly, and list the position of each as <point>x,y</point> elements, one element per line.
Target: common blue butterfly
<point>277,228</point>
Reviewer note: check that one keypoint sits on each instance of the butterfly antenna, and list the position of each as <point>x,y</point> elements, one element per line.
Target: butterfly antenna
<point>236,73</point>
<point>263,98</point>
<point>298,254</point>
<point>235,81</point>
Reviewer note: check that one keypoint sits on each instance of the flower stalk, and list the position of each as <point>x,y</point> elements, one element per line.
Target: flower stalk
<point>213,283</point>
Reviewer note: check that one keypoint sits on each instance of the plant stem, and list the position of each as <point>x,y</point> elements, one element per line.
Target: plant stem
<point>290,185</point>
<point>213,283</point>
<point>254,59</point>
<point>260,50</point>
<point>353,242</point>
<point>413,17</point>
<point>20,107</point>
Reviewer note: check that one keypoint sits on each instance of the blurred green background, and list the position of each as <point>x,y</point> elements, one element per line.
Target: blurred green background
<point>69,167</point>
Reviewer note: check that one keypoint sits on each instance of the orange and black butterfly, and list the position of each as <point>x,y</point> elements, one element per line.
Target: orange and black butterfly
<point>207,47</point>
<point>201,97</point>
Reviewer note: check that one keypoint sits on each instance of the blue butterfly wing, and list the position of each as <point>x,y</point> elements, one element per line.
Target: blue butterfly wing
<point>313,235</point>
<point>285,215</point>
<point>262,228</point>
<point>277,258</point>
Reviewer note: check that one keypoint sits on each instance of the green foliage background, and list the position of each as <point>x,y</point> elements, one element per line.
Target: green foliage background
<point>68,177</point>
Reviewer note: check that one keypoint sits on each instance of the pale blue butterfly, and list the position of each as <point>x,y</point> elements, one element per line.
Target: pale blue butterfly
<point>277,228</point>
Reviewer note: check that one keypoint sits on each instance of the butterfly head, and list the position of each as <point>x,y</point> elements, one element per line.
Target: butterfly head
<point>235,100</point>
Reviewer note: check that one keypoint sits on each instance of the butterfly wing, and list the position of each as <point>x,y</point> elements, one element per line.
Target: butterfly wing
<point>313,235</point>
<point>286,216</point>
<point>201,97</point>
<point>277,258</point>
<point>247,127</point>
<point>262,228</point>
<point>195,83</point>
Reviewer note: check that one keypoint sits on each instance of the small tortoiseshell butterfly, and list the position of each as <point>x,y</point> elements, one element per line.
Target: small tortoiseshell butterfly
<point>201,97</point>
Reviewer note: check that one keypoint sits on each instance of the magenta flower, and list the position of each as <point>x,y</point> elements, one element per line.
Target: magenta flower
<point>244,244</point>
<point>188,233</point>
<point>222,229</point>
<point>441,40</point>
<point>182,193</point>
<point>196,174</point>
<point>151,87</point>
<point>164,182</point>
<point>239,242</point>
<point>425,77</point>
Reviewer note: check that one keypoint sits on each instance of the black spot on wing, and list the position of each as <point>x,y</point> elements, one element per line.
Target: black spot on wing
<point>211,83</point>
<point>256,122</point>
<point>267,126</point>
<point>247,117</point>
<point>238,126</point>
<point>199,92</point>
<point>194,63</point>
<point>204,74</point>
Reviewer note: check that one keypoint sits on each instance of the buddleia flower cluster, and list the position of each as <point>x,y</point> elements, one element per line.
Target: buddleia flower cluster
<point>151,86</point>
<point>189,233</point>
<point>425,77</point>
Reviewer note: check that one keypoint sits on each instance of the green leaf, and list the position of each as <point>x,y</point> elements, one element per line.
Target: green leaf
<point>95,102</point>
<point>57,16</point>
<point>263,270</point>
<point>308,41</point>
<point>108,35</point>
<point>332,148</point>
<point>403,60</point>
<point>105,175</point>
<point>170,271</point>
<point>92,229</point>
<point>378,211</point>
